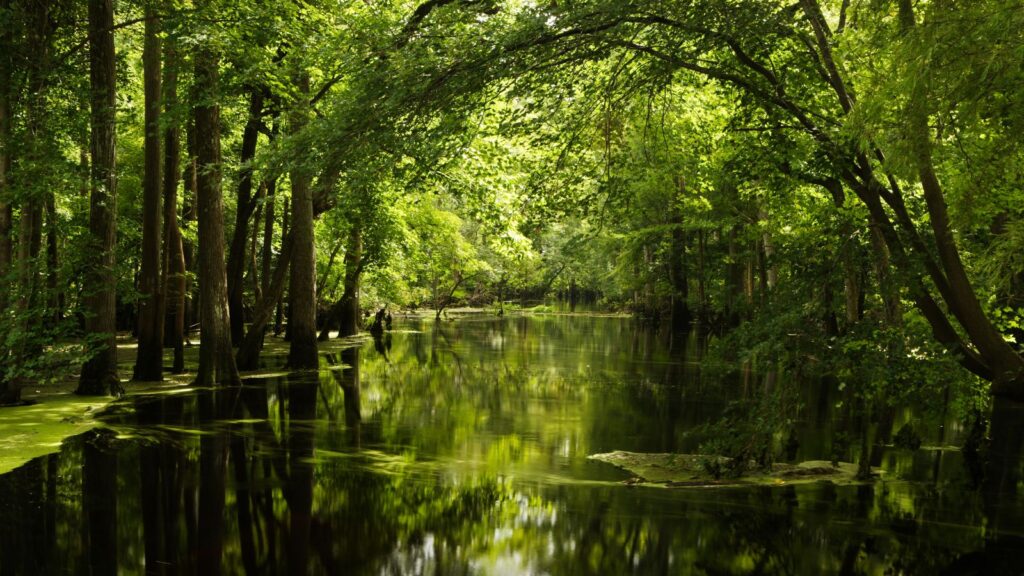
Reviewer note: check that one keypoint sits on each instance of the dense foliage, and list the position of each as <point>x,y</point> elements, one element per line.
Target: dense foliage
<point>834,186</point>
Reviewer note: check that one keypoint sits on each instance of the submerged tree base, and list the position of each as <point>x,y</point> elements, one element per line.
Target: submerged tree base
<point>696,470</point>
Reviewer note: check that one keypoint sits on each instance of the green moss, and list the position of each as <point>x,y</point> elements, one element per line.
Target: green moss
<point>692,470</point>
<point>27,432</point>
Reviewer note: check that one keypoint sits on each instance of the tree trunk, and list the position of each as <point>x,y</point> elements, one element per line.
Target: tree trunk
<point>174,251</point>
<point>734,278</point>
<point>302,352</point>
<point>268,235</point>
<point>1006,365</point>
<point>188,218</point>
<point>345,313</point>
<point>149,360</point>
<point>6,208</point>
<point>243,212</point>
<point>254,244</point>
<point>249,350</point>
<point>9,393</point>
<point>678,278</point>
<point>848,254</point>
<point>888,288</point>
<point>29,240</point>
<point>54,295</point>
<point>279,315</point>
<point>748,275</point>
<point>216,358</point>
<point>39,42</point>
<point>99,374</point>
<point>702,298</point>
<point>771,274</point>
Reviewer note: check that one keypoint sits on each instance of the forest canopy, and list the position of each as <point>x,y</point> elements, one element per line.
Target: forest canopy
<point>818,179</point>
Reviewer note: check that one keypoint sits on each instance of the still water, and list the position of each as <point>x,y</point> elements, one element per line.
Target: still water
<point>460,448</point>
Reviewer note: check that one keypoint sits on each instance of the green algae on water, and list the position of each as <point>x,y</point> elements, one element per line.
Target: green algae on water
<point>27,432</point>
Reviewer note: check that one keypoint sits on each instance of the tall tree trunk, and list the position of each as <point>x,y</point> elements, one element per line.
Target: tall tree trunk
<point>243,212</point>
<point>99,374</point>
<point>848,254</point>
<point>9,393</point>
<point>771,274</point>
<point>702,297</point>
<point>279,314</point>
<point>29,240</point>
<point>6,208</point>
<point>149,360</point>
<point>677,274</point>
<point>302,352</point>
<point>174,251</point>
<point>268,235</point>
<point>216,358</point>
<point>349,325</point>
<point>734,278</point>
<point>188,218</point>
<point>254,269</point>
<point>748,275</point>
<point>54,295</point>
<point>39,42</point>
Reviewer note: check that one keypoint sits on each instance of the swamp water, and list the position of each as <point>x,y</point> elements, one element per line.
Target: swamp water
<point>462,448</point>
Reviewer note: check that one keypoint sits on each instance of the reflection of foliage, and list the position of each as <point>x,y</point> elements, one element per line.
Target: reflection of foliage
<point>469,458</point>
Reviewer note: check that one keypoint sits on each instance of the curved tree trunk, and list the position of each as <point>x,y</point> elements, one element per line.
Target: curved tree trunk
<point>243,212</point>
<point>1006,365</point>
<point>99,374</point>
<point>249,351</point>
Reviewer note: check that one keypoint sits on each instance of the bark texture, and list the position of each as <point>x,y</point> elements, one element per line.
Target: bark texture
<point>99,374</point>
<point>216,359</point>
<point>174,251</point>
<point>6,209</point>
<point>149,360</point>
<point>302,353</point>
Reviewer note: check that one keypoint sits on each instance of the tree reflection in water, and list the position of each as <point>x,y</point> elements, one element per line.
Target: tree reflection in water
<point>461,449</point>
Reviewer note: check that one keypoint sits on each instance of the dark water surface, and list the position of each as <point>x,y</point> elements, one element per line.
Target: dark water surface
<point>461,449</point>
